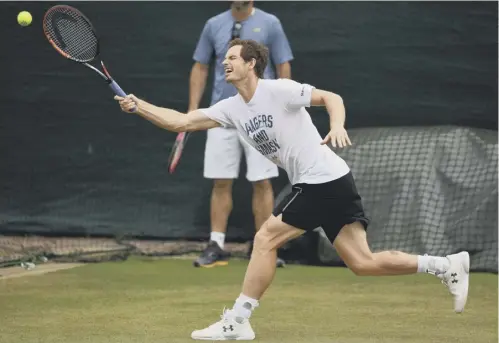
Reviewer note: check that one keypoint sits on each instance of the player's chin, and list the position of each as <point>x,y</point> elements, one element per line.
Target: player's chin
<point>231,77</point>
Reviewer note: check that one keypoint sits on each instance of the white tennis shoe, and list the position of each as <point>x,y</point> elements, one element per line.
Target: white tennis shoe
<point>457,279</point>
<point>226,329</point>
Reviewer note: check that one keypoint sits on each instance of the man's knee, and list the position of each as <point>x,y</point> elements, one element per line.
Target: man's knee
<point>263,241</point>
<point>262,185</point>
<point>351,244</point>
<point>222,184</point>
<point>363,266</point>
<point>273,234</point>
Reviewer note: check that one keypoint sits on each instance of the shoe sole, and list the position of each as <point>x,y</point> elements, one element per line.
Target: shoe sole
<point>466,266</point>
<point>223,339</point>
<point>211,265</point>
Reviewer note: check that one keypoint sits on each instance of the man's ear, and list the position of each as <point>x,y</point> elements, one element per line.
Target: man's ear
<point>252,63</point>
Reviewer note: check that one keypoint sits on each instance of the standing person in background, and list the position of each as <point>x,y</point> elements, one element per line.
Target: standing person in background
<point>224,146</point>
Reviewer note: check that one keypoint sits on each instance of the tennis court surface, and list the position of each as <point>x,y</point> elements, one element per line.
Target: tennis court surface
<point>163,300</point>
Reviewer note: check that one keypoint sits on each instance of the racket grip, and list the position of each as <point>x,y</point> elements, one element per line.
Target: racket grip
<point>117,89</point>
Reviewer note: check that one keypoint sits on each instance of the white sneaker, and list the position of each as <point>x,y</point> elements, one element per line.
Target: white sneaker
<point>226,329</point>
<point>457,279</point>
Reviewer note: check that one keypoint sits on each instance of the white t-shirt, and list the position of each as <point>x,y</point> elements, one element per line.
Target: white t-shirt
<point>276,123</point>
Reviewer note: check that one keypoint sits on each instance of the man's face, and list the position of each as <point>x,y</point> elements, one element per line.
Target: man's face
<point>235,67</point>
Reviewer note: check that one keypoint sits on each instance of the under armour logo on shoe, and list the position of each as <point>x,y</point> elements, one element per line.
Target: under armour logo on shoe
<point>228,328</point>
<point>454,280</point>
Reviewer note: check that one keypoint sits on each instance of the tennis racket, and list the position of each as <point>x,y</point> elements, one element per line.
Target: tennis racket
<point>74,37</point>
<point>177,150</point>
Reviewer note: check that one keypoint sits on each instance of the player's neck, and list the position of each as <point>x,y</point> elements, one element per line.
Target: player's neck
<point>247,88</point>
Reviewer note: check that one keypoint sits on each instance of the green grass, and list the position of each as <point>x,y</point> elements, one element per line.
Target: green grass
<point>164,300</point>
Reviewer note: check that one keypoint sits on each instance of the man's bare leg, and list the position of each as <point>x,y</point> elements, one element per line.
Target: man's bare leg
<point>259,274</point>
<point>453,270</point>
<point>262,265</point>
<point>262,202</point>
<point>351,245</point>
<point>220,209</point>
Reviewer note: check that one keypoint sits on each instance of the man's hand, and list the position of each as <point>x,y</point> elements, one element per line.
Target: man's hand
<point>128,104</point>
<point>337,136</point>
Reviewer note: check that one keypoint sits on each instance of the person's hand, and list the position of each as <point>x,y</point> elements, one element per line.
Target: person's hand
<point>338,136</point>
<point>128,104</point>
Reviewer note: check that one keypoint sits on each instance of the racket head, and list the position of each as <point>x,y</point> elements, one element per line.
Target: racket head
<point>71,33</point>
<point>177,150</point>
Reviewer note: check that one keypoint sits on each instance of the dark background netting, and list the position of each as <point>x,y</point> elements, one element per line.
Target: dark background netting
<point>73,165</point>
<point>427,190</point>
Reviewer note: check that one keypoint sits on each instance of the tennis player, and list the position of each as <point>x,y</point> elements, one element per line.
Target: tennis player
<point>271,116</point>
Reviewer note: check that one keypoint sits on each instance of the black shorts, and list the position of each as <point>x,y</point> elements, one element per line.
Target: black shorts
<point>329,205</point>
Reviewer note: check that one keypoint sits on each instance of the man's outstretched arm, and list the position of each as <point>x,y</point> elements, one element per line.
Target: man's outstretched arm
<point>166,118</point>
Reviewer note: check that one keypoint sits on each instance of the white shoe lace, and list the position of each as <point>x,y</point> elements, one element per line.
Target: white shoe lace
<point>223,318</point>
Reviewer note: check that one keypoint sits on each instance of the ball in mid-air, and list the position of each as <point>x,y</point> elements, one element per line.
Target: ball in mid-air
<point>24,18</point>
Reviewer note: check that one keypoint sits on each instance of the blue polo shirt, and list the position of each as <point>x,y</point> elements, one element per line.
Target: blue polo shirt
<point>261,26</point>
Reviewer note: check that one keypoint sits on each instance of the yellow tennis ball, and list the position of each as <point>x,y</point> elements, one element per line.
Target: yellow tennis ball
<point>24,18</point>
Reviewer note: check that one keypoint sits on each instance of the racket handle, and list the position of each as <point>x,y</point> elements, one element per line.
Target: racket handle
<point>117,89</point>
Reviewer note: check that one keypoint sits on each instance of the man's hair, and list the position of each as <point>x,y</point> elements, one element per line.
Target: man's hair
<point>251,49</point>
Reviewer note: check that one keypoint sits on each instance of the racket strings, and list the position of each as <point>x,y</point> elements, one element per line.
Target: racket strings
<point>72,33</point>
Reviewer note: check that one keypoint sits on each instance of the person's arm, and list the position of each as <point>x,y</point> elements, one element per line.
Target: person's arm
<point>336,110</point>
<point>199,71</point>
<point>166,118</point>
<point>280,51</point>
<point>197,84</point>
<point>298,95</point>
<point>284,70</point>
<point>333,103</point>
